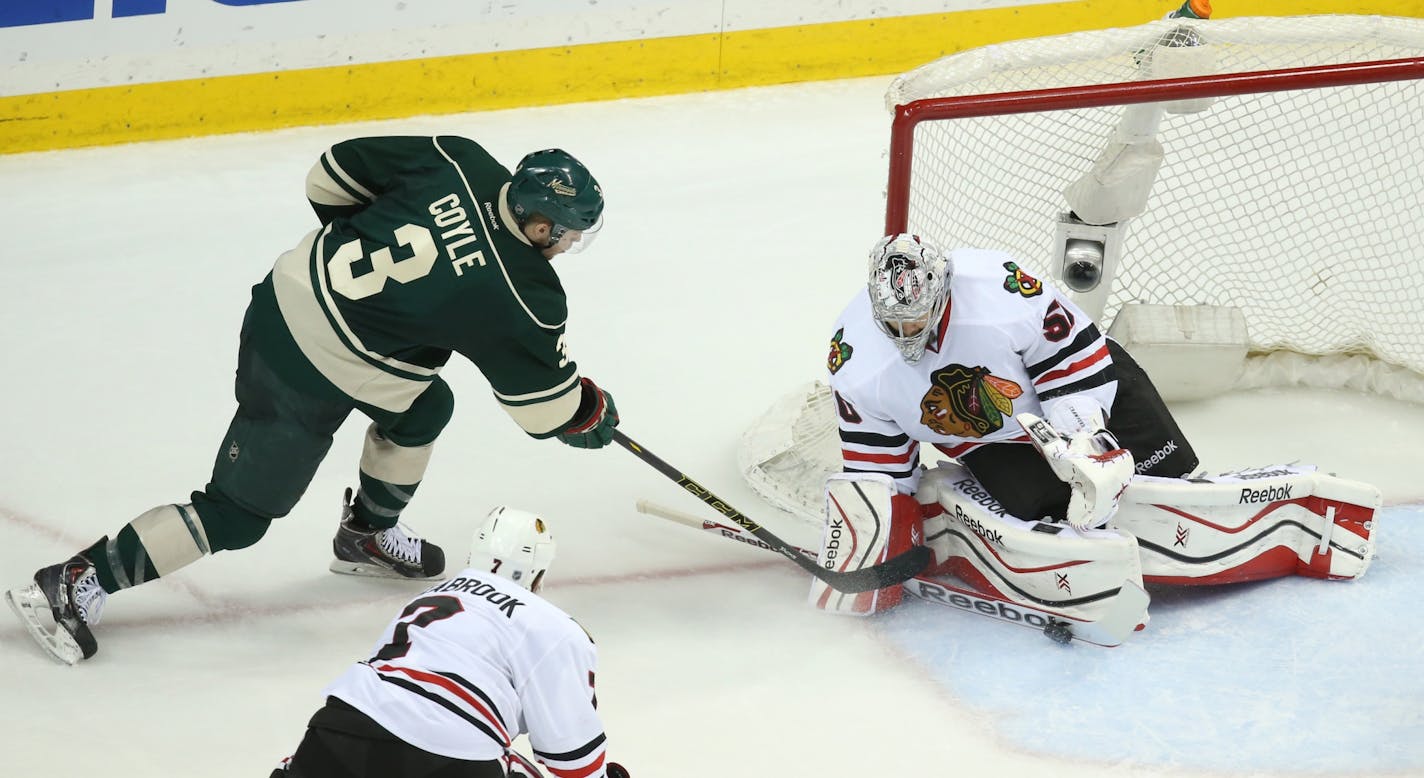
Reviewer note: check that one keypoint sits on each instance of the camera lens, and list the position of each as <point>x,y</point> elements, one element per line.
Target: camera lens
<point>1082,265</point>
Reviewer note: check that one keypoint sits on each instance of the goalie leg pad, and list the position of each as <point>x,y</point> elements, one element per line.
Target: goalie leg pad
<point>1078,574</point>
<point>867,522</point>
<point>1251,525</point>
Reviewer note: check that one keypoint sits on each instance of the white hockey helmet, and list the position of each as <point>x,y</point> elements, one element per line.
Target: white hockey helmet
<point>514,544</point>
<point>909,288</point>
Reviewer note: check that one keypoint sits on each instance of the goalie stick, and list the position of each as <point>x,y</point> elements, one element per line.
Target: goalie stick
<point>892,571</point>
<point>1108,632</point>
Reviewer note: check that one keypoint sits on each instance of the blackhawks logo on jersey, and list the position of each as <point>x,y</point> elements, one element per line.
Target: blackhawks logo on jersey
<point>967,402</point>
<point>1021,282</point>
<point>840,352</point>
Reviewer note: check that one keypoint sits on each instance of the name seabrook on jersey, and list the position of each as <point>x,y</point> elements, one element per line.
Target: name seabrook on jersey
<point>505,602</point>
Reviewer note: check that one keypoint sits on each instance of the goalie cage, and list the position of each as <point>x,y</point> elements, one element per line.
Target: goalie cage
<point>1293,198</point>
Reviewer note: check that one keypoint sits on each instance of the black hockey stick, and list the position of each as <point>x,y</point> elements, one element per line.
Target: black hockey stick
<point>888,573</point>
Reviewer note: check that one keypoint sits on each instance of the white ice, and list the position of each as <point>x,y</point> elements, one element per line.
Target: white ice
<point>737,227</point>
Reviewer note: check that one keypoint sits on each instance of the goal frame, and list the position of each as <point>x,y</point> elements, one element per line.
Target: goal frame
<point>787,452</point>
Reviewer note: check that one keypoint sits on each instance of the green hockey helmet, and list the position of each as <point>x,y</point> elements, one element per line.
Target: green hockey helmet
<point>554,185</point>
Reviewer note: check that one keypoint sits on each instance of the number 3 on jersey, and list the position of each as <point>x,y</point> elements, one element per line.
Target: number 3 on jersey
<point>384,266</point>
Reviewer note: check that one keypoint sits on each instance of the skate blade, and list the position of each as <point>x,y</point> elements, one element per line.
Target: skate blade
<point>366,570</point>
<point>28,604</point>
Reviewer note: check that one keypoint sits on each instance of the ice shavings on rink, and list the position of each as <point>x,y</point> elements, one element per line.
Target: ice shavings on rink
<point>1293,674</point>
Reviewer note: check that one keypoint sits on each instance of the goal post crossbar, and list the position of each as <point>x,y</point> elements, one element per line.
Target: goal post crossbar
<point>910,115</point>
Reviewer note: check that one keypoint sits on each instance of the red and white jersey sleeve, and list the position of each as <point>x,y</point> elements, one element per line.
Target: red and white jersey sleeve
<point>472,663</point>
<point>559,726</point>
<point>1007,343</point>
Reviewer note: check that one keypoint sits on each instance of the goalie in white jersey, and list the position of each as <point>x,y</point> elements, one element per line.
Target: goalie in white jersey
<point>1049,423</point>
<point>468,665</point>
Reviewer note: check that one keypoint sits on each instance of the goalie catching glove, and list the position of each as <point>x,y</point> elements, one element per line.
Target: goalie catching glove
<point>1089,461</point>
<point>593,425</point>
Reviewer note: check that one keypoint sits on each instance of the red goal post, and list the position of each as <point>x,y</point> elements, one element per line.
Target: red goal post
<point>909,116</point>
<point>1290,193</point>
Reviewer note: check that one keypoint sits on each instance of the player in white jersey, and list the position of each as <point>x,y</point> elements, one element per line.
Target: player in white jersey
<point>991,341</point>
<point>465,668</point>
<point>1051,426</point>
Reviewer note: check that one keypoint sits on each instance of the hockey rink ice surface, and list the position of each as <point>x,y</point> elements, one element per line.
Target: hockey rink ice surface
<point>737,227</point>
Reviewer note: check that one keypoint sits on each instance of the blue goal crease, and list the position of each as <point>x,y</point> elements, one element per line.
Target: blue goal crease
<point>1294,674</point>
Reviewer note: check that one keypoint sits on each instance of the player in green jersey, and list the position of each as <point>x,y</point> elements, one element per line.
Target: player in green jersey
<point>428,247</point>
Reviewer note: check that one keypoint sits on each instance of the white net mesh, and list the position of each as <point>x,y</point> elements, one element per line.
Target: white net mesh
<point>1301,208</point>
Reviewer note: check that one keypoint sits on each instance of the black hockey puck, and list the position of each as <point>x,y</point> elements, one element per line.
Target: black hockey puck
<point>1059,632</point>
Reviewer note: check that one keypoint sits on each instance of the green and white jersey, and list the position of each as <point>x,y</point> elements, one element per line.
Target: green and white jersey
<point>419,257</point>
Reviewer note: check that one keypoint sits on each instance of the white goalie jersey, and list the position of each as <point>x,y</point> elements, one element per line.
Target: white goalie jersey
<point>1007,343</point>
<point>472,663</point>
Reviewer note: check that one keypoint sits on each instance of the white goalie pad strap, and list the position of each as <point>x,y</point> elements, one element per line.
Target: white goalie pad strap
<point>173,536</point>
<point>1250,525</point>
<point>860,514</point>
<point>385,461</point>
<point>1050,567</point>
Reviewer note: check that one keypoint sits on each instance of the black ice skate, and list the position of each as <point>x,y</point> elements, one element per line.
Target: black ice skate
<point>71,594</point>
<point>384,553</point>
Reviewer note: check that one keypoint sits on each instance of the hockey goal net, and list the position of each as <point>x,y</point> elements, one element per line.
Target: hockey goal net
<point>1296,197</point>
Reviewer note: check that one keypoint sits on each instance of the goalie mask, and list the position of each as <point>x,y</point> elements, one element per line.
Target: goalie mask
<point>554,185</point>
<point>909,288</point>
<point>514,544</point>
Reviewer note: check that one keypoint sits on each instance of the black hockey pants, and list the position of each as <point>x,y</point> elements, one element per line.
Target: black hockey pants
<point>342,742</point>
<point>287,415</point>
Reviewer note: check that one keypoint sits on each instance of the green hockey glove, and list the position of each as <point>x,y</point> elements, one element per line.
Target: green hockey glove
<point>593,424</point>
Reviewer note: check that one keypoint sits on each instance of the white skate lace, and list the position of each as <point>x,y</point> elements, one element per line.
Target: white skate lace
<point>89,597</point>
<point>396,543</point>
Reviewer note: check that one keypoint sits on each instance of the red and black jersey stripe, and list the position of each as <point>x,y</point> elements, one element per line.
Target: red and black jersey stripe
<point>1080,365</point>
<point>580,762</point>
<point>453,693</point>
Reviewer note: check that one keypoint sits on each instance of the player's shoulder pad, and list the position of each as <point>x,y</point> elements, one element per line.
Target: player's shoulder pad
<point>991,287</point>
<point>857,350</point>
<point>584,630</point>
<point>463,148</point>
<point>546,300</point>
<point>992,268</point>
